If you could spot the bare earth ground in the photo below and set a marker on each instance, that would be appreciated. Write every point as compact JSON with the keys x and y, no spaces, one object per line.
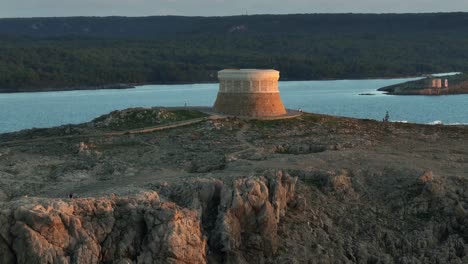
{"x":367,"y":192}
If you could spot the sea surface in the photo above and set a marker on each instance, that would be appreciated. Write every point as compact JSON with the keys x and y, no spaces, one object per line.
{"x":340,"y":97}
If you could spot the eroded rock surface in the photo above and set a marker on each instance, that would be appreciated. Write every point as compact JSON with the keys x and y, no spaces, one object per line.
{"x":110,"y":230}
{"x":238,"y":219}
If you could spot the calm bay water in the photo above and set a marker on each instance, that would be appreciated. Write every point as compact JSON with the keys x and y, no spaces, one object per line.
{"x":46,"y":109}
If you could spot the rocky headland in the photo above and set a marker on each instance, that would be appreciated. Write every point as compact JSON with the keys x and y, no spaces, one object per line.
{"x":457,"y":84}
{"x":180,"y":186}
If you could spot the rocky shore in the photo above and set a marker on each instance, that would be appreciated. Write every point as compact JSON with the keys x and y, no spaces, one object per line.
{"x":458,"y":84}
{"x":309,"y":189}
{"x":66,"y":88}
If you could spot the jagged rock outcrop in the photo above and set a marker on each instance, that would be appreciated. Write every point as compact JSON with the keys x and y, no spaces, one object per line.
{"x":246,"y":228}
{"x":118,"y":230}
{"x":231,"y":222}
{"x":244,"y":225}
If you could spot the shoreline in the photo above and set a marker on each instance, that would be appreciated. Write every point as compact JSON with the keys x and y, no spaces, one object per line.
{"x":458,"y":84}
{"x":135,"y":85}
{"x":207,"y":110}
{"x":65,"y":89}
{"x":424,"y":92}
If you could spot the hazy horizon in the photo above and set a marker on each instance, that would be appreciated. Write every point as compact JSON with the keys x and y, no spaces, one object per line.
{"x":139,"y":8}
{"x":259,"y":14}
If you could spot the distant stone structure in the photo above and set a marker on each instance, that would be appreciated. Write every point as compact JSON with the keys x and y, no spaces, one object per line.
{"x":437,"y":87}
{"x":249,"y":92}
{"x":436,"y":83}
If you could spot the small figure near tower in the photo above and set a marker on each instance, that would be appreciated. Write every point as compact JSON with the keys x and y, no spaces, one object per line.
{"x":386,"y":118}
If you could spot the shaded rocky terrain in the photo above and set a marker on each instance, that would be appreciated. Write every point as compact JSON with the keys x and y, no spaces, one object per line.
{"x":310,"y":189}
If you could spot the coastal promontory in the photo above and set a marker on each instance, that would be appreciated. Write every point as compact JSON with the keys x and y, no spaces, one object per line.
{"x":431,"y":85}
{"x":183,"y":185}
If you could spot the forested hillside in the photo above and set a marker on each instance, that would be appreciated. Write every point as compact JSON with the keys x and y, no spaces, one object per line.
{"x":39,"y":53}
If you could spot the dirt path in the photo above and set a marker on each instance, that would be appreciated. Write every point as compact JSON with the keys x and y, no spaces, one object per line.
{"x":240,"y":136}
{"x":109,"y":134}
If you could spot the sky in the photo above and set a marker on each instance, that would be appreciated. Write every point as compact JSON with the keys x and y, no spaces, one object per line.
{"x":58,"y":8}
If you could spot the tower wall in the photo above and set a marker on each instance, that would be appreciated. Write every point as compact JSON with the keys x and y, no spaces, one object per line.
{"x":249,"y":93}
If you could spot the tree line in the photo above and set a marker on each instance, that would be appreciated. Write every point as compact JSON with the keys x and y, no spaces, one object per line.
{"x":32,"y":63}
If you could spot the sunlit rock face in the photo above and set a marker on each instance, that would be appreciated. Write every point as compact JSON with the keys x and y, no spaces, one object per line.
{"x":200,"y":221}
{"x":249,"y":92}
{"x":100,"y":230}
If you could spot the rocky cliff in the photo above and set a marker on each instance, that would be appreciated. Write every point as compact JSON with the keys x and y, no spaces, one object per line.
{"x":193,"y":222}
{"x":310,"y":189}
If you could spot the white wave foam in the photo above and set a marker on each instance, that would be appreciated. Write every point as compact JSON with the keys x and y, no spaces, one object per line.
{"x":457,"y":124}
{"x":436,"y":122}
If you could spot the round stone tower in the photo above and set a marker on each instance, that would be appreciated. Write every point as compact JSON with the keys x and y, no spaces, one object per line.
{"x":249,"y":93}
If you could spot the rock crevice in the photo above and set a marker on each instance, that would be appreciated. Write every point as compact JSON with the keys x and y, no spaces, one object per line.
{"x":192,"y":222}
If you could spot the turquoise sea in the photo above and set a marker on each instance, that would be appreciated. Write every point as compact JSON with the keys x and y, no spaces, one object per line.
{"x":339,"y":97}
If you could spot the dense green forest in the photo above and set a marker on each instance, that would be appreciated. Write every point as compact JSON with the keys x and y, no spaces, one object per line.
{"x":48,"y":53}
